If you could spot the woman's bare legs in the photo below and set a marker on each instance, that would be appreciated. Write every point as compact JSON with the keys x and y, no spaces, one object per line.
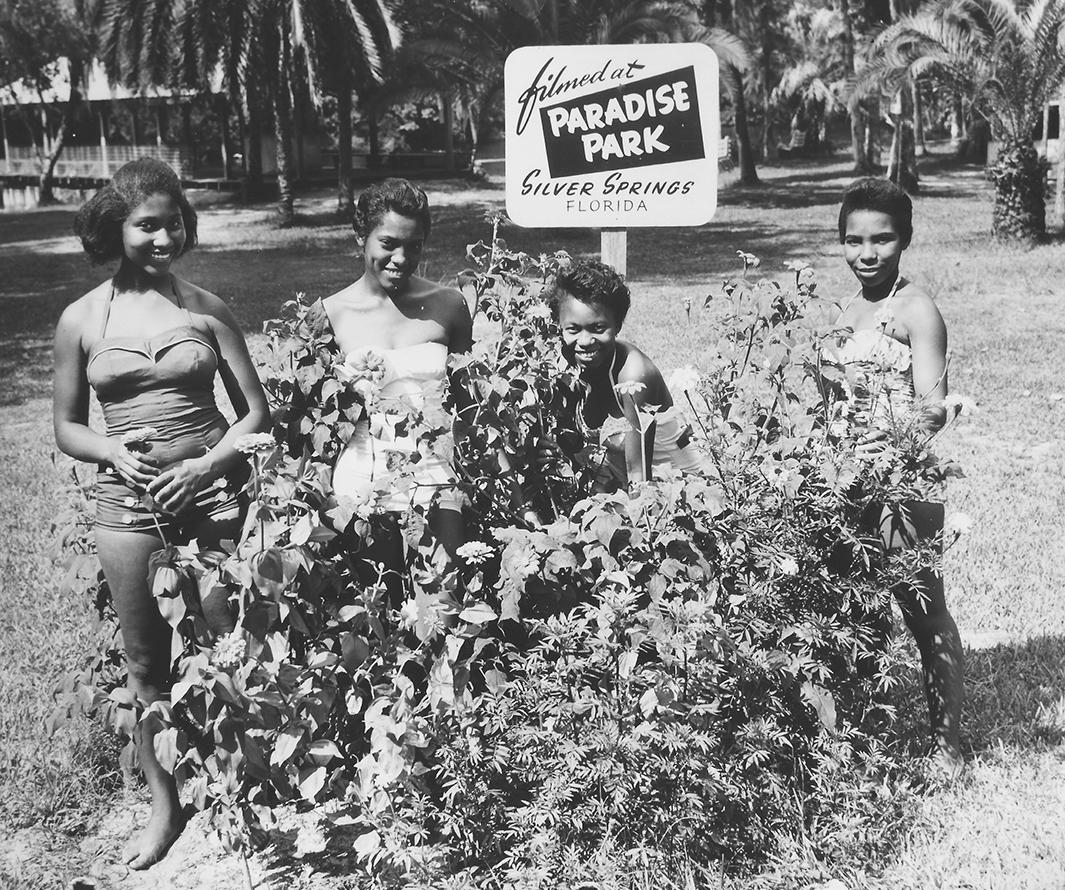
{"x":124,"y":557}
{"x":924,"y":609}
{"x":146,"y":635}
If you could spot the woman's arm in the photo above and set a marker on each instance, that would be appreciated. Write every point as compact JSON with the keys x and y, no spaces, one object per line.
{"x":928,"y":349}
{"x":70,"y":405}
{"x":177,"y":486}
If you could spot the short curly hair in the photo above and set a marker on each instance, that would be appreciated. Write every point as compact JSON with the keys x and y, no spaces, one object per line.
{"x":99,"y":221}
{"x":398,"y":195}
{"x":591,"y":282}
{"x":883,"y":196}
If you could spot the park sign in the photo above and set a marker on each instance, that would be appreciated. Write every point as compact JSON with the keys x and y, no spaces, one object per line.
{"x":617,"y":136}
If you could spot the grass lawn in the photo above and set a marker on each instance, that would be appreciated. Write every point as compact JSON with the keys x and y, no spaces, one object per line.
{"x":1002,"y":826}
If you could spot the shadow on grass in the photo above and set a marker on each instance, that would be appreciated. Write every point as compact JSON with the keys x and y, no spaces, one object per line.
{"x":1015,"y":694}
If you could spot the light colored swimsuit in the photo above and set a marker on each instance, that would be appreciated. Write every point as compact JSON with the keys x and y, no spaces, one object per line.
{"x":413,"y":376}
{"x":165,"y":382}
{"x":882,"y":391}
{"x":672,"y":444}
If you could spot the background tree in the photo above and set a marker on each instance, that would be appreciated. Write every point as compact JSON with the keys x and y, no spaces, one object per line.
{"x":1009,"y":61}
{"x":47,"y":46}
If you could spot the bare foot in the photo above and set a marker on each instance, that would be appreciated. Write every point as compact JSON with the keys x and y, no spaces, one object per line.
{"x":152,"y":844}
{"x":947,"y":762}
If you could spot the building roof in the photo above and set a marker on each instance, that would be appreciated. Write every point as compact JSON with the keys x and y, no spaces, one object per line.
{"x":98,"y":88}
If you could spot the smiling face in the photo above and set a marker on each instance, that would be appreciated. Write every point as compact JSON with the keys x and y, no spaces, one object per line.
{"x":153,"y":235}
{"x":392,"y":251}
{"x":872,"y":247}
{"x":589,"y":332}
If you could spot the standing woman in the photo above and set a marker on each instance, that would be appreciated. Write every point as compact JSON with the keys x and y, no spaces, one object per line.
{"x":411,"y":325}
{"x":898,"y":342}
{"x":149,"y":344}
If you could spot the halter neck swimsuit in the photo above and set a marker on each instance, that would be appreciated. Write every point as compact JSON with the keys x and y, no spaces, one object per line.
{"x":414,"y":375}
{"x":672,"y":445}
{"x":165,"y":382}
{"x":881,"y":385}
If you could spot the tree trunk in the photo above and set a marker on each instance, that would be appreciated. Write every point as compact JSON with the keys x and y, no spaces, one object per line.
{"x":283,"y":142}
{"x":254,"y":160}
{"x":373,"y":137}
{"x":859,"y":157}
{"x":1020,"y":206}
{"x":345,"y":191}
{"x":919,"y":147}
{"x":902,"y":166}
{"x":748,"y":171}
{"x":871,"y":142}
{"x":1059,"y":186}
{"x":449,"y":131}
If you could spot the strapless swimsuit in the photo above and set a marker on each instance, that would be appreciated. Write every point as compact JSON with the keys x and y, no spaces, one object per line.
{"x":412,"y":375}
{"x":165,"y":382}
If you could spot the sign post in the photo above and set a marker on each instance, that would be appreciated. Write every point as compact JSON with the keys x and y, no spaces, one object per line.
{"x":612,"y":137}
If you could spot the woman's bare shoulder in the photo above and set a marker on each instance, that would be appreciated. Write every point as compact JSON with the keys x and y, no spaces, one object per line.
{"x":88,"y":307}
{"x":914,"y":304}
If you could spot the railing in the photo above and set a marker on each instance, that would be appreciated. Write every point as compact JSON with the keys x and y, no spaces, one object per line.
{"x":87,"y":161}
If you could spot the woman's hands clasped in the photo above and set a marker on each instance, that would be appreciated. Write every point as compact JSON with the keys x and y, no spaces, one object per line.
{"x":137,"y":467}
{"x":176,"y":487}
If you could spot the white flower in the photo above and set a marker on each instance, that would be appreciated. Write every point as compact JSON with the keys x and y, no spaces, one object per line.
{"x":474,"y":552}
{"x":629,"y":387}
{"x":749,"y":260}
{"x":957,"y":524}
{"x":138,"y":437}
{"x":253,"y":443}
{"x":367,"y":363}
{"x":408,"y":614}
{"x":684,"y":379}
{"x":788,"y":566}
{"x":959,"y":405}
{"x":838,"y":428}
{"x":538,"y":310}
{"x":229,"y":650}
{"x":310,"y":839}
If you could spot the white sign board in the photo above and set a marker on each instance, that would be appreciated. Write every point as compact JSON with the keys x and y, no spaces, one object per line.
{"x":612,"y":136}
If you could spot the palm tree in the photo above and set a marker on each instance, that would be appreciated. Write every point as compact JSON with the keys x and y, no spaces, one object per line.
{"x":260,"y":45}
{"x":1009,"y":59}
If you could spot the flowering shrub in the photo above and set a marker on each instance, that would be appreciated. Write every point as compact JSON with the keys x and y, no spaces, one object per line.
{"x":667,"y":674}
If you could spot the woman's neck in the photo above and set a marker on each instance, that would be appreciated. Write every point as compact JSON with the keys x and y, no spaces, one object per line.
{"x":879,"y":292}
{"x":133,"y":278}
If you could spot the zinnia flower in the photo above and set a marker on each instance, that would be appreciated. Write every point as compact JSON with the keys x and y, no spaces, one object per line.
{"x":684,"y":379}
{"x":140,"y":436}
{"x":229,"y":650}
{"x":254,"y":443}
{"x":629,"y":387}
{"x":475,"y":553}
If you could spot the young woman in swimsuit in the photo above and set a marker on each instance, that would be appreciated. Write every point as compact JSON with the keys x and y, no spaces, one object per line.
{"x":900,"y":340}
{"x":627,"y":404}
{"x":413,"y":324}
{"x":149,"y":344}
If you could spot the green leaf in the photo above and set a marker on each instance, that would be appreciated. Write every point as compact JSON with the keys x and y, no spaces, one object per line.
{"x":822,"y":702}
{"x":285,"y":745}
